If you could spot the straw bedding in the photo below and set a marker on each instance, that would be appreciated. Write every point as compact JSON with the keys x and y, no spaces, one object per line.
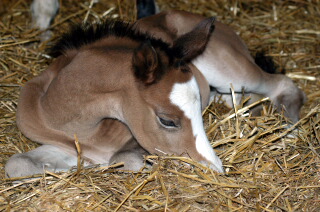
{"x":269,"y":166}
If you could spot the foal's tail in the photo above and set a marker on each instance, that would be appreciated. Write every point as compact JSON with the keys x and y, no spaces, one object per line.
{"x":267,"y":64}
{"x":146,"y":8}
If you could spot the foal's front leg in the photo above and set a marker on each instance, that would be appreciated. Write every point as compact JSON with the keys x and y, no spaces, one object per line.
{"x":131,"y":155}
{"x":36,"y":161}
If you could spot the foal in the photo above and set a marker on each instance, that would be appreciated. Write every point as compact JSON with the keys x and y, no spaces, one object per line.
{"x":123,"y":93}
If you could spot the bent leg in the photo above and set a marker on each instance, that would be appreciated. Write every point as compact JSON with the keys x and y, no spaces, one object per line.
{"x":36,"y":161}
{"x":131,"y":155}
{"x":227,"y":100}
{"x":252,"y":80}
{"x":43,"y":11}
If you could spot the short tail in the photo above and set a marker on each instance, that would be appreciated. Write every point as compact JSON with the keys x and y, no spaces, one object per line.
{"x":267,"y":64}
{"x":146,"y":8}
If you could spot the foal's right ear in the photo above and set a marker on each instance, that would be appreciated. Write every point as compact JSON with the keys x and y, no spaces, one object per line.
{"x":145,"y":62}
{"x":193,"y":43}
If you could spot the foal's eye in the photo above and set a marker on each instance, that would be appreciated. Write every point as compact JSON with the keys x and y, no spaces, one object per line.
{"x":167,"y":123}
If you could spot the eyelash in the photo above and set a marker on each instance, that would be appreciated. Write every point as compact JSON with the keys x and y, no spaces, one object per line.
{"x":167,"y":123}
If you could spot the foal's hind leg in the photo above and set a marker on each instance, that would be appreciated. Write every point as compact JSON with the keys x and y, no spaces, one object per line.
{"x":250,"y":98}
{"x":248,"y":77}
{"x":36,"y":161}
{"x":131,"y":155}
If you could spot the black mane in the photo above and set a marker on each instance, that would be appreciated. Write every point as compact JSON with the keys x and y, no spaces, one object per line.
{"x":84,"y":34}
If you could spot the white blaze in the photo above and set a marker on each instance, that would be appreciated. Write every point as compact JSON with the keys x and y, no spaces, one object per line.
{"x":187,"y":97}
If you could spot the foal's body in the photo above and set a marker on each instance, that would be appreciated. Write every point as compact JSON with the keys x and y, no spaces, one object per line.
{"x":226,"y":60}
{"x":122,"y":94}
{"x":156,"y":111}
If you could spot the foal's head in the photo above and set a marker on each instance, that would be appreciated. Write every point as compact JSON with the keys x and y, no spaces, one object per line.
{"x":166,"y":115}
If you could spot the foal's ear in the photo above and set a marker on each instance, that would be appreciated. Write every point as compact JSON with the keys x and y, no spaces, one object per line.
{"x":193,"y":43}
{"x":145,"y":62}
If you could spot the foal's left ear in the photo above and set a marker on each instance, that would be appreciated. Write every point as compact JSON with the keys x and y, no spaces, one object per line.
{"x":145,"y":62}
{"x":193,"y":43}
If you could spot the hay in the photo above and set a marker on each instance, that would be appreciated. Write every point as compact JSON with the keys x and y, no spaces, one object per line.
{"x":270,"y":166}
